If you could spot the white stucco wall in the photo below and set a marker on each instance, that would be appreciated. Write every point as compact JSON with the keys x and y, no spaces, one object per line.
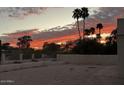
{"x":121,"y":47}
{"x":88,"y":59}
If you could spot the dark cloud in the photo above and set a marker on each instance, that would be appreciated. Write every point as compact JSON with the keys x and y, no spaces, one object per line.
{"x":19,"y":33}
{"x":107,"y":15}
{"x":20,"y":12}
{"x":44,"y":34}
{"x":103,"y":15}
{"x":64,"y":31}
{"x":6,"y":37}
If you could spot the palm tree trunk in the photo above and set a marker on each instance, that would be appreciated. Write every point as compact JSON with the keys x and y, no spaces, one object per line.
{"x":78,"y":29}
{"x":99,"y":34}
{"x":99,"y":31}
{"x":83,"y":27}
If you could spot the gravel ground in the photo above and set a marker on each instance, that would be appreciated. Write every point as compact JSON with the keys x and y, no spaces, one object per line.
{"x":59,"y":74}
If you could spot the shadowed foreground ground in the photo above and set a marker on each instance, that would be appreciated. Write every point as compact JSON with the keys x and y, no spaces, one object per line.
{"x":61,"y":74}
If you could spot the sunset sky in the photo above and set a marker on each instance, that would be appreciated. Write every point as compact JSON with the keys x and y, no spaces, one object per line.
{"x":45,"y":24}
{"x":13,"y":19}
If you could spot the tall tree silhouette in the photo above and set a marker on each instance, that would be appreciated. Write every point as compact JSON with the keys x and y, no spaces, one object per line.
{"x":51,"y":49}
{"x":24,"y":42}
{"x":84,"y":15}
{"x":92,"y":29}
{"x":87,"y":32}
{"x":113,"y":37}
{"x":99,"y":26}
{"x":77,"y":15}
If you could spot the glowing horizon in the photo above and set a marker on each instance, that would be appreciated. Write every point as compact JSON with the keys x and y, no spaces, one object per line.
{"x":52,"y":24}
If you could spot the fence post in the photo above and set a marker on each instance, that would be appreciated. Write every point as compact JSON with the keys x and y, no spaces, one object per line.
{"x":58,"y":57}
{"x":3,"y":60}
{"x":43,"y":56}
{"x":33,"y":57}
{"x":21,"y":57}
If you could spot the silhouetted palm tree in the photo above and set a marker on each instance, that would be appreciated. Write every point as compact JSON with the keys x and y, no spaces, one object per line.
{"x":77,"y":15}
{"x":99,"y":27}
{"x":113,"y":37}
{"x":98,"y":37}
{"x":92,"y":29}
{"x":84,"y":15}
{"x":111,"y":43}
{"x":87,"y":32}
{"x":114,"y":34}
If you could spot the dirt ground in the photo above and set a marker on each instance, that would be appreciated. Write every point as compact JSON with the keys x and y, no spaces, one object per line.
{"x":62,"y":74}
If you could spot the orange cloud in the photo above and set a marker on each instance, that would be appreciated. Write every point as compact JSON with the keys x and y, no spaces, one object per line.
{"x":38,"y":43}
{"x":109,"y":28}
{"x":20,"y":33}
